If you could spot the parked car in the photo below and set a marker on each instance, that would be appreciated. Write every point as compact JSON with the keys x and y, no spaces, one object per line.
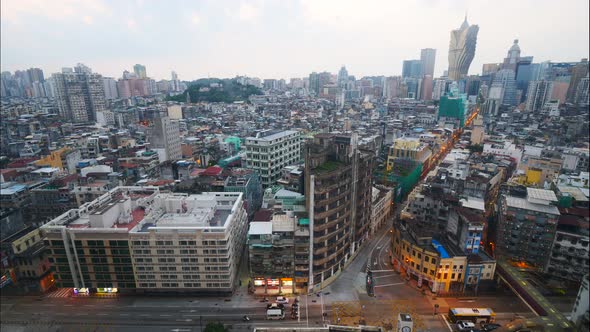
{"x":490,"y":327}
{"x":282,"y":300}
{"x":465,"y":326}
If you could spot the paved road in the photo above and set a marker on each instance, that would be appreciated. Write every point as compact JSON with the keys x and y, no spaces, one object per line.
{"x":163,"y":314}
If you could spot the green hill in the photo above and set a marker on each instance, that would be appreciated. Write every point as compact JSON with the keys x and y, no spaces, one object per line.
{"x":228,"y":92}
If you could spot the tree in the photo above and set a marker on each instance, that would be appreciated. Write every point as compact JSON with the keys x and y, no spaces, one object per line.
{"x":475,"y":148}
{"x":215,"y":327}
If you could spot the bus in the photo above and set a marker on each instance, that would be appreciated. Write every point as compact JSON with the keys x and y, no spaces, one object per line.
{"x":275,"y":314}
{"x":472,"y":315}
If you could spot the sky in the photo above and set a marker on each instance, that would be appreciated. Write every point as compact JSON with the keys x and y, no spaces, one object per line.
{"x":278,"y":38}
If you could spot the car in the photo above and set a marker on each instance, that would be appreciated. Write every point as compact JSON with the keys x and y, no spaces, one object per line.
{"x":490,"y":327}
{"x":465,"y":326}
{"x":275,"y":306}
{"x":282,"y":300}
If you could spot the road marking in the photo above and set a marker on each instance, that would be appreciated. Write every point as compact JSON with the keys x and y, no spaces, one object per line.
{"x":377,"y":271}
{"x":446,"y":322}
{"x":123,"y":314}
{"x":68,"y":305}
{"x":184,"y":320}
{"x":387,"y":275}
{"x":165,"y":315}
{"x":397,"y":283}
{"x":466,"y":301}
{"x":101,"y":314}
{"x":143,"y":315}
{"x":82,"y":314}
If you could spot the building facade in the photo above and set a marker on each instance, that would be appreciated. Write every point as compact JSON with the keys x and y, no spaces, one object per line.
{"x":136,"y":239}
{"x":527,"y":226}
{"x":79,"y":95}
{"x":270,"y":151}
{"x":338,"y":178}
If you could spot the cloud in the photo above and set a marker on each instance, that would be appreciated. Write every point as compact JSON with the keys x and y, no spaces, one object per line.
{"x":17,"y":11}
{"x":88,"y":19}
{"x":195,"y":18}
{"x":131,"y":24}
{"x":248,"y":12}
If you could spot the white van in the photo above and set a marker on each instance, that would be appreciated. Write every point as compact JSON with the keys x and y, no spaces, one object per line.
{"x":275,"y":314}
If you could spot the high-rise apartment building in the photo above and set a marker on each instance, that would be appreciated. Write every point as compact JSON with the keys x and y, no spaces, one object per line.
{"x":140,"y":71}
{"x":137,"y":238}
{"x":79,"y":94}
{"x":164,"y":137}
{"x":462,"y":50}
{"x":269,"y":151}
{"x":110,"y":88}
{"x":427,"y":59}
{"x":338,"y":192}
{"x":526,"y":226}
{"x":35,"y":75}
{"x":539,"y":92}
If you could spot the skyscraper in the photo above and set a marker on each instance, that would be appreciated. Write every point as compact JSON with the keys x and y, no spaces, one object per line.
{"x":139,"y":70}
{"x":462,"y":50}
{"x":426,"y":93}
{"x":342,"y":77}
{"x":79,"y":94}
{"x":579,"y":71}
{"x":427,"y":58}
{"x":539,"y":92}
{"x":506,"y":78}
{"x":412,"y":68}
{"x":511,"y":60}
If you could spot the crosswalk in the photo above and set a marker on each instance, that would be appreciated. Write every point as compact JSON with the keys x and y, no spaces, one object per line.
{"x":61,"y":292}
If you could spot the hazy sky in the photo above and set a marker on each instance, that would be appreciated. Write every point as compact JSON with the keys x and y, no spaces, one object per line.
{"x":278,"y":38}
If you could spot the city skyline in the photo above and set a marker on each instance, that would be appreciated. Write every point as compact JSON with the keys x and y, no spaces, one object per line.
{"x":267,"y":43}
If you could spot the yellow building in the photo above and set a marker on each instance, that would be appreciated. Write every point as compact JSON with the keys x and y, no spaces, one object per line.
{"x":533,"y":176}
{"x":440,"y":269}
{"x":408,"y":148}
{"x":54,"y":159}
{"x":32,"y":266}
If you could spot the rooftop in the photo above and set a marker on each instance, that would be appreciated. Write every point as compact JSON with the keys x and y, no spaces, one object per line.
{"x":522,"y":203}
{"x":260,"y":228}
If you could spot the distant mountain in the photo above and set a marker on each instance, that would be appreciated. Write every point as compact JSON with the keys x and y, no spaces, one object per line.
{"x":217,"y":90}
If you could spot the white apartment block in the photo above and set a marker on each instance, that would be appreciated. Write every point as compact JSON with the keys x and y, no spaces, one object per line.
{"x":190,"y":242}
{"x":270,"y":151}
{"x":136,"y":239}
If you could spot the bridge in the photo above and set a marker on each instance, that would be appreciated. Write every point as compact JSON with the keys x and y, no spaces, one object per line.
{"x":548,"y":317}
